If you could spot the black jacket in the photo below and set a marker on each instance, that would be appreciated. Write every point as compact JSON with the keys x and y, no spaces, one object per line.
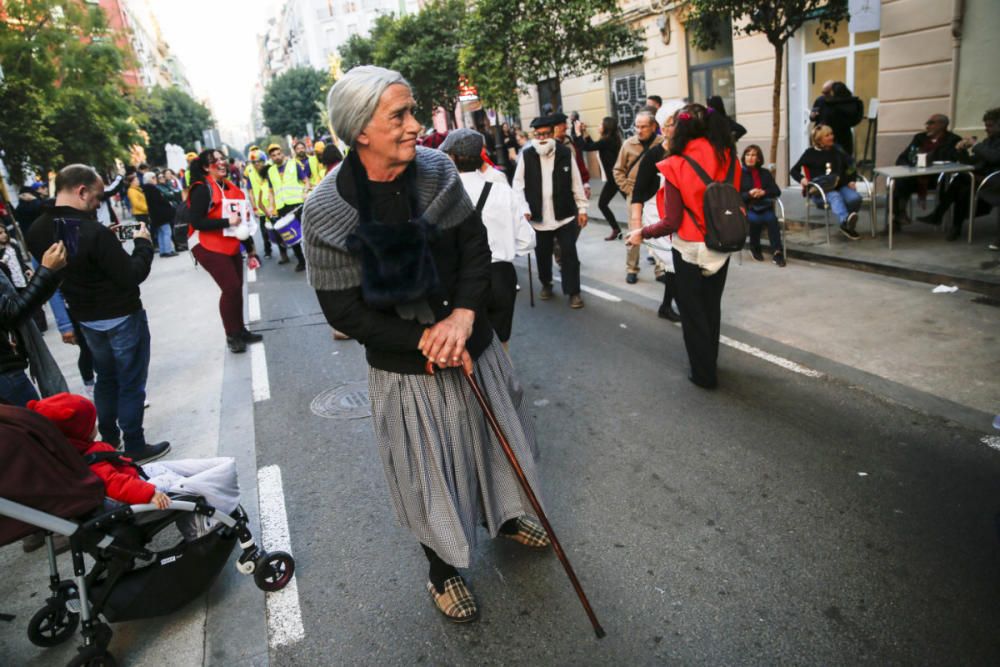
{"x":161,"y":211}
{"x":29,"y":207}
{"x":462,"y":258}
{"x":814,"y":161}
{"x":101,"y":280}
{"x":985,"y":155}
{"x":841,"y":114}
{"x":647,"y":176}
{"x":607,"y":150}
{"x":945,"y":149}
{"x":767,"y":184}
{"x":14,"y":309}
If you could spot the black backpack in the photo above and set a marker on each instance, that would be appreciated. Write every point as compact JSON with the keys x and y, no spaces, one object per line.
{"x":723,"y":209}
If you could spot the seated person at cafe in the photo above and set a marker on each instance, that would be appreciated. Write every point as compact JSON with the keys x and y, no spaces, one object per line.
{"x":939,"y":145}
{"x":985,"y":157}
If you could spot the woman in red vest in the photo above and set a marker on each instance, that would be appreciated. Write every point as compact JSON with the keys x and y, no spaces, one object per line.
{"x":214,"y":204}
{"x":703,"y":136}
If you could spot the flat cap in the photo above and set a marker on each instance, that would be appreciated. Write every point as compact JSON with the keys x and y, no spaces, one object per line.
{"x":543,"y":121}
{"x":463,"y":142}
{"x":558,"y":118}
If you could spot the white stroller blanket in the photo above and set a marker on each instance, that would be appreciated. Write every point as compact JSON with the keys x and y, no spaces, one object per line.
{"x":214,"y":479}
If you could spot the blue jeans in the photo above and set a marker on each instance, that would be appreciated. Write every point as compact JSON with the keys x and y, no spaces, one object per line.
{"x":16,"y":389}
{"x":165,"y":239}
{"x":121,"y":359}
{"x":757,"y":220}
{"x":843,"y":201}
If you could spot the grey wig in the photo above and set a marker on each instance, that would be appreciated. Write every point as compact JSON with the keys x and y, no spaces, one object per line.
{"x":353,"y":99}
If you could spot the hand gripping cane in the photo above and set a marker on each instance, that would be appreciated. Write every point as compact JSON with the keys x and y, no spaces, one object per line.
{"x":526,"y":487}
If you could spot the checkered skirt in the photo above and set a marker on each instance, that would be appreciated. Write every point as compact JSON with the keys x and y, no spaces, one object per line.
{"x":445,"y":469}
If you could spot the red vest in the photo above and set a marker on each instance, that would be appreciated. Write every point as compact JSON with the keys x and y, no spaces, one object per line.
{"x":680,"y":174}
{"x":214,"y":239}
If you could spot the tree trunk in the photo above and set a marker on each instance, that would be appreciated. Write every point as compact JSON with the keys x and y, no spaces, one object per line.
{"x":779,"y":53}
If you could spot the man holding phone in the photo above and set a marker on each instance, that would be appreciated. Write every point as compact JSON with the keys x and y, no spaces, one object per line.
{"x":101,"y":287}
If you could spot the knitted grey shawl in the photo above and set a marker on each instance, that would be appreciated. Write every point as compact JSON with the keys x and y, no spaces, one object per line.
{"x":327,"y":219}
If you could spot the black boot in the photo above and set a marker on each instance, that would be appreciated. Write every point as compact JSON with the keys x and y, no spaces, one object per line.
{"x":669,"y":293}
{"x":236,"y":344}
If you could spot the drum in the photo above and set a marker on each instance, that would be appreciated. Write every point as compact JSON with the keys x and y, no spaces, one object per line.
{"x":289,"y":229}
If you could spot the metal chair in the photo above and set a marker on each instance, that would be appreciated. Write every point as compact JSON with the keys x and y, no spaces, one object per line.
{"x":868,"y":196}
{"x":825,"y":207}
{"x":991,"y":197}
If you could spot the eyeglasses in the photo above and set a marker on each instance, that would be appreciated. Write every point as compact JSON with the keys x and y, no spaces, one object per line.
{"x":542,"y":134}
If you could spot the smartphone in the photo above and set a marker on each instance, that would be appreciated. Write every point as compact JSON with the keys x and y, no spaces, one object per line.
{"x":126,"y":231}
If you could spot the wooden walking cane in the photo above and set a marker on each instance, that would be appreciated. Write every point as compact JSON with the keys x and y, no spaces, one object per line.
{"x":526,"y":487}
{"x":531,"y":284}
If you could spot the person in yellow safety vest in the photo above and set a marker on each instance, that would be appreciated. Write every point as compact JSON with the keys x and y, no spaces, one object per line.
{"x":309,"y":164}
{"x":289,"y":184}
{"x":260,"y":193}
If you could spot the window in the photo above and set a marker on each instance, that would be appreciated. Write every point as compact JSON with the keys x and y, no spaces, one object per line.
{"x":711,"y":72}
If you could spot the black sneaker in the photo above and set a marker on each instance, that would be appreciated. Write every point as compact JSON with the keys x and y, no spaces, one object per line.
{"x":284,"y":260}
{"x":666,"y":312}
{"x":300,"y":267}
{"x":757,"y":254}
{"x":236,"y":344}
{"x":778,"y":258}
{"x":849,"y":233}
{"x":631,"y":278}
{"x":546,"y":293}
{"x":148,"y":452}
{"x":250,"y":337}
{"x":852,"y":221}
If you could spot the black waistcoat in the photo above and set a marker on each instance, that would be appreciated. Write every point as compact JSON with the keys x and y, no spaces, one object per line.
{"x":562,"y":183}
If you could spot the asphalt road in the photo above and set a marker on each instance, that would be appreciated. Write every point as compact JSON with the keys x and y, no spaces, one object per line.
{"x":781,"y":519}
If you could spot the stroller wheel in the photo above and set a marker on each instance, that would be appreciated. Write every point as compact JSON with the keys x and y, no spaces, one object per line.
{"x":274,"y":570}
{"x":93,"y":656}
{"x":52,"y":625}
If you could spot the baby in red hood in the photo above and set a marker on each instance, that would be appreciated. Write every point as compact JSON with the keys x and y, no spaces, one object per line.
{"x":76,"y":417}
{"x":214,"y":479}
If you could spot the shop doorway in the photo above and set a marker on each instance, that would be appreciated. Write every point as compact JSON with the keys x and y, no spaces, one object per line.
{"x":851,"y":58}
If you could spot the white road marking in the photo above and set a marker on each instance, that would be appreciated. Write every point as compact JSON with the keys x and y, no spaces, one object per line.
{"x":767,"y":356}
{"x":284,"y":615}
{"x":991,"y":441}
{"x":596,"y":292}
{"x":251,"y":275}
{"x":253,"y":306}
{"x":258,"y":368}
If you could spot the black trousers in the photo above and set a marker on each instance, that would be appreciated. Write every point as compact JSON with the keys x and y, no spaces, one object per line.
{"x":569,"y":264}
{"x":699,"y":298}
{"x":503,"y":293}
{"x":608,"y":193}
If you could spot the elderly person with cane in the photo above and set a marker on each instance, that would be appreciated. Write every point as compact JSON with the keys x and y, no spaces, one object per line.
{"x":400,"y":261}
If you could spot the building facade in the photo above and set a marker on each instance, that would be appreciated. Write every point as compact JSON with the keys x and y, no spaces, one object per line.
{"x":905,"y":59}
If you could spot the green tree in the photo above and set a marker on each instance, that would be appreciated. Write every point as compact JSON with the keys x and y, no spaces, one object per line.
{"x":777,"y":20}
{"x":291,"y":98}
{"x":510,"y":43}
{"x":172,"y":116}
{"x":357,"y":50}
{"x":63,"y":96}
{"x":424,"y":48}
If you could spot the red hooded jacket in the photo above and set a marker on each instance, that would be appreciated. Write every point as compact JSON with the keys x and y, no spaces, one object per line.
{"x":75,"y":416}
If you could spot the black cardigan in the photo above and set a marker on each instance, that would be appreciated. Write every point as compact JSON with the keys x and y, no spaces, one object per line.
{"x":462,"y":258}
{"x":814,"y":162}
{"x":767,"y":184}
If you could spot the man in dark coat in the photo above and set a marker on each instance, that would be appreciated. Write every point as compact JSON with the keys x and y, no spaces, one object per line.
{"x":939,"y":145}
{"x":161,"y":217}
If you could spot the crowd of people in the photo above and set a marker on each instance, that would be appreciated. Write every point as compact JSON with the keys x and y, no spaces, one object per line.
{"x":410,"y":240}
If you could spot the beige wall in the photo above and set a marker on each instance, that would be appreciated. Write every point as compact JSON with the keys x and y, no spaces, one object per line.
{"x":979,"y":56}
{"x":753,"y":64}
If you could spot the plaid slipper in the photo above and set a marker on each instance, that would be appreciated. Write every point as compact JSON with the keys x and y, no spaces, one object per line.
{"x":456,"y":603}
{"x":530,"y":533}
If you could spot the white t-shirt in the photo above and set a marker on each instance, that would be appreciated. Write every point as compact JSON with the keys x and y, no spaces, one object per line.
{"x":508,"y":231}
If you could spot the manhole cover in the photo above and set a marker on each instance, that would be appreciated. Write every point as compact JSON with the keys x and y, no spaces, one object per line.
{"x":347,"y":401}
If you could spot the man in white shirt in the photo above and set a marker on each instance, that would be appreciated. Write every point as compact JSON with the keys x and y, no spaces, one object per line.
{"x":502,"y":214}
{"x":549,"y":181}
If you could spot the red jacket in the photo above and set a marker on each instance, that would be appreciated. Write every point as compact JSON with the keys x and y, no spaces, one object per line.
{"x":121,"y":481}
{"x":679,"y":173}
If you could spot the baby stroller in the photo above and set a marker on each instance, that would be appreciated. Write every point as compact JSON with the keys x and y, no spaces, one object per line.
{"x":46,"y":485}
